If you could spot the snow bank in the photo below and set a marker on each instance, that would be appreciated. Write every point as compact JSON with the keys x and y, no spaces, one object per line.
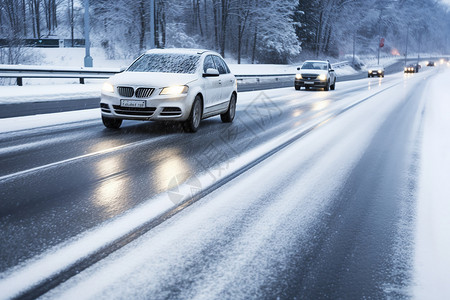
{"x":432,"y":259}
{"x":37,"y":93}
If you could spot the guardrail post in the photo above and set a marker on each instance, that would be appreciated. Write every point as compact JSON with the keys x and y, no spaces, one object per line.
{"x":19,"y":81}
{"x":81,"y":80}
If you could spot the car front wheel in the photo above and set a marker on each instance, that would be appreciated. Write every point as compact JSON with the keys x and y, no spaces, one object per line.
{"x":193,"y":122}
{"x":327,"y":87}
{"x":111,"y":122}
{"x":228,"y":116}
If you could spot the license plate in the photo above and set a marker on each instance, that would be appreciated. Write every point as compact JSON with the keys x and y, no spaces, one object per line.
{"x":309,"y":82}
{"x":132,"y":103}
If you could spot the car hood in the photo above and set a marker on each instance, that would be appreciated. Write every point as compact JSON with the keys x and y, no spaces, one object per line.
{"x":313,"y":71}
{"x":151,"y":79}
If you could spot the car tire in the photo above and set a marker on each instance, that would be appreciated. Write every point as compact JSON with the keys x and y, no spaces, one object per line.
{"x":193,"y":122}
{"x":228,"y":116}
{"x":327,"y":87}
{"x":111,"y":123}
{"x":297,"y":87}
{"x":369,"y":76}
{"x":333,"y":86}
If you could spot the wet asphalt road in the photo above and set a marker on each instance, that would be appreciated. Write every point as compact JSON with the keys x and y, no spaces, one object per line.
{"x":57,"y":182}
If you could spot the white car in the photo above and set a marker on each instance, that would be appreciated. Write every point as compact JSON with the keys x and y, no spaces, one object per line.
{"x":183,"y":85}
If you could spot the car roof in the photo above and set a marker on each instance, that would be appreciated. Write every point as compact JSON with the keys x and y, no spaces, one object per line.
{"x":182,"y":51}
{"x":318,"y":61}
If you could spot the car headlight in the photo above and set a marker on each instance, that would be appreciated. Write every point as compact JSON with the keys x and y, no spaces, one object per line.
{"x":379,"y":71}
{"x":175,"y":90}
{"x":108,"y":88}
{"x":298,"y":76}
{"x":322,"y":77}
{"x":370,"y":71}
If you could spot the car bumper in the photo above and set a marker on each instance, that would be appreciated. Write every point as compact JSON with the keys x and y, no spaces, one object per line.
{"x":376,"y":73}
{"x":159,"y":108}
{"x":310,"y":83}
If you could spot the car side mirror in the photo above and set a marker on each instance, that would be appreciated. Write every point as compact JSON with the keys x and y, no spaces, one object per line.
{"x":331,"y":70}
{"x":123,"y":68}
{"x":210,"y":72}
{"x":298,"y":69}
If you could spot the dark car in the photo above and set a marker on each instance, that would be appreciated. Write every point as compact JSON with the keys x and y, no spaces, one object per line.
{"x":412,"y":68}
{"x":431,"y":63}
{"x":375,"y":71}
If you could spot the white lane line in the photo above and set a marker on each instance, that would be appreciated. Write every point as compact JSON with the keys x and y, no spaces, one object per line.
{"x":77,"y":158}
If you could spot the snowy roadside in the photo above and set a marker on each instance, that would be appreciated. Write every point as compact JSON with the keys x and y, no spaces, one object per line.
{"x":432,"y":260}
{"x":52,"y":92}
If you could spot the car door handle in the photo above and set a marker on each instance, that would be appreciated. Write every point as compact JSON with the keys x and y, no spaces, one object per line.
{"x":220,"y":81}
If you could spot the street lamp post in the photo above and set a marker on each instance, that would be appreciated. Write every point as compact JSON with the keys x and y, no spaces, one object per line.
{"x":406,"y":50}
{"x":88,"y":62}
{"x":152,"y":24}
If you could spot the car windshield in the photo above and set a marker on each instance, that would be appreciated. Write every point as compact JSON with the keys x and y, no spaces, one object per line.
{"x":315,"y":65}
{"x":166,"y":63}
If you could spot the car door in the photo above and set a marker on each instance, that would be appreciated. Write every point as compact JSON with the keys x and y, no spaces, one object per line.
{"x":212,"y":85}
{"x":227,"y":81}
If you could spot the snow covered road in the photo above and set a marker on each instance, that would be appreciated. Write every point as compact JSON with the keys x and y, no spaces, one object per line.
{"x":331,"y":214}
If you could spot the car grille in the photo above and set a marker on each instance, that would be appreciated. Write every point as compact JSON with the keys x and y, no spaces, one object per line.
{"x":144,"y":92}
{"x":125,"y":91}
{"x":309,"y":76}
{"x":134,"y":111}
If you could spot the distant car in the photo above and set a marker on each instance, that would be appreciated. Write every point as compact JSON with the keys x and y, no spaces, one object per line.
{"x":375,"y":71}
{"x":431,"y":64}
{"x":182,"y":85}
{"x":414,"y":68}
{"x":317,"y":74}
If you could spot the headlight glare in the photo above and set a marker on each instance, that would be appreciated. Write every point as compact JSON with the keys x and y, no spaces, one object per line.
{"x":175,"y":90}
{"x":322,"y":77}
{"x":108,"y":88}
{"x":298,"y":76}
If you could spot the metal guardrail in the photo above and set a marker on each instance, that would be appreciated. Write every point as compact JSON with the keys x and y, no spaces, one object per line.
{"x":21,"y":71}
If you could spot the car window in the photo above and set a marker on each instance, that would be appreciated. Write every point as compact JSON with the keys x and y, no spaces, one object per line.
{"x":208,"y":63}
{"x":315,"y":65}
{"x":166,"y":63}
{"x":221,"y":65}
